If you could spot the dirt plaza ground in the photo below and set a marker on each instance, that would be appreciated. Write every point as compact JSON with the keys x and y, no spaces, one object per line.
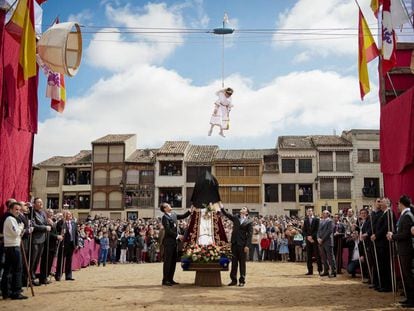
{"x":269,"y":286}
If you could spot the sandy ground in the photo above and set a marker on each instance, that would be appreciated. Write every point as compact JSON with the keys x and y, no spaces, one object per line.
{"x":278,"y":286}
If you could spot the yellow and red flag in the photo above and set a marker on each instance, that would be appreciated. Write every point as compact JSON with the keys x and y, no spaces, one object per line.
{"x":21,"y":26}
{"x":59,"y":104}
{"x":367,"y":51}
{"x":375,"y":5}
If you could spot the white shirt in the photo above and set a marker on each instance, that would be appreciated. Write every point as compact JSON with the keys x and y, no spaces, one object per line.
{"x":12,"y":232}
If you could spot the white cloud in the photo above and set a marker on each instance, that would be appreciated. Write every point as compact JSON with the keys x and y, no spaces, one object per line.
{"x":323,"y":27}
{"x":138,"y":47}
{"x":83,"y":18}
{"x":301,"y":57}
{"x":158,"y":105}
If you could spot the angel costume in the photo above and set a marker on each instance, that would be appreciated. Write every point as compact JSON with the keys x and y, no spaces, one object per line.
{"x":221,"y":112}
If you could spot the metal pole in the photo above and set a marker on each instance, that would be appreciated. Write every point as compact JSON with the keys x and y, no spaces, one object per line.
{"x":29,"y":277}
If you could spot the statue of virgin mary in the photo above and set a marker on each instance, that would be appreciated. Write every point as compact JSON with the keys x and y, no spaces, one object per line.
{"x":206,"y":226}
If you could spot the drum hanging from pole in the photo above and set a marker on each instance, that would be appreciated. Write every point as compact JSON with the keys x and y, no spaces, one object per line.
{"x":60,"y":48}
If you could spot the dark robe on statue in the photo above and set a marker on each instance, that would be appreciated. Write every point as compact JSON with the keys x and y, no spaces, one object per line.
{"x":206,"y":194}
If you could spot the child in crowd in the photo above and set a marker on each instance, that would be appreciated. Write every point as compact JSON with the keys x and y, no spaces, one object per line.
{"x":103,"y":252}
{"x":283,"y":248}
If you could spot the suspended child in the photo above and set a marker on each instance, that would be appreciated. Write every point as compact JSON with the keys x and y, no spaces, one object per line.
{"x":221,"y":112}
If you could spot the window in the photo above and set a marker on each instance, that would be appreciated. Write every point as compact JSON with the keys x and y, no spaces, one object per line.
{"x":193,"y":172}
{"x":237,"y":171}
{"x":237,"y":195}
{"x":288,"y":193}
{"x":375,"y":155}
{"x":305,"y":193}
{"x":115,"y":200}
{"x":252,"y":194}
{"x":343,"y":186}
{"x":52,"y":179}
{"x":99,"y":200}
{"x":222,"y":171}
{"x":84,"y":201}
{"x":327,"y":188}
{"x":305,"y":165}
{"x":271,"y":193}
{"x":170,"y":168}
{"x":69,"y":201}
{"x":100,"y":154}
{"x":288,"y":166}
{"x":146,"y":176}
{"x":132,"y":177}
{"x":342,"y":161}
{"x":52,"y":201}
{"x":172,"y":196}
{"x":363,"y":155}
{"x":252,"y":170}
{"x":84,"y":177}
{"x":70,"y":176}
{"x":116,"y":154}
{"x":115,"y":177}
{"x":371,"y":187}
{"x":99,"y":178}
{"x":141,"y":196}
{"x":325,"y":161}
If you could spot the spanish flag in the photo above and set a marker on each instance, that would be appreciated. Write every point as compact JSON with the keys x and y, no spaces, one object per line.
{"x":21,"y":26}
{"x":375,"y":5}
{"x":367,"y":51}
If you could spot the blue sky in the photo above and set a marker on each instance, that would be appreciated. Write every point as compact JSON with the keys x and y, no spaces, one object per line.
{"x":162,"y":86}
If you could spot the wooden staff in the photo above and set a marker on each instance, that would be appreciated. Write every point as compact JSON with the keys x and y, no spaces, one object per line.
{"x":390,"y":245}
{"x":375,"y":253}
{"x":29,"y":277}
{"x":30,"y":239}
{"x":399,"y":262}
{"x":366,"y":258}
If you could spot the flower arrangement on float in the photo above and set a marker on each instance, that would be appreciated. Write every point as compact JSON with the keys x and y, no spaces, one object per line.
{"x":204,"y":254}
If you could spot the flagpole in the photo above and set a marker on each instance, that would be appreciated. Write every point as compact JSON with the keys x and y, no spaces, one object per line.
{"x":392,"y":84}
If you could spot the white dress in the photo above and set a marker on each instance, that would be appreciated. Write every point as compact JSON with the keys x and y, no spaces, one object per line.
{"x":221,"y":112}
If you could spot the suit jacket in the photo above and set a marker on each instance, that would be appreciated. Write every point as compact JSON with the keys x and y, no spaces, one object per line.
{"x":68,"y":238}
{"x":310,"y":230}
{"x":351,"y":244}
{"x":403,"y":235}
{"x":381,"y":229}
{"x":325,"y":231}
{"x":39,"y":223}
{"x":170,"y":226}
{"x":242,"y":232}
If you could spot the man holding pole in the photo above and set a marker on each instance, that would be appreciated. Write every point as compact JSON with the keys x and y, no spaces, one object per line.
{"x":405,"y":248}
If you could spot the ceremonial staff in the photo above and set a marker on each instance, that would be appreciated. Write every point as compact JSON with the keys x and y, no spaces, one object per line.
{"x":399,"y":264}
{"x":391,"y":252}
{"x":29,"y":277}
{"x":375,"y":252}
{"x":30,"y":244}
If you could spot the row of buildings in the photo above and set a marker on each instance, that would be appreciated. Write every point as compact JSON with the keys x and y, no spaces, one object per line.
{"x":119,"y":181}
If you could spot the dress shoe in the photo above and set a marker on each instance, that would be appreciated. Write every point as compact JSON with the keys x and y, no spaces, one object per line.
{"x":384,"y":290}
{"x":333,"y":275}
{"x":167,"y":283}
{"x":324,"y":274}
{"x":309,"y":273}
{"x":408,"y":305}
{"x":241,"y":284}
{"x":174,"y":283}
{"x":18,"y":297}
{"x":45,"y":282}
{"x":403,"y":302}
{"x":34,"y":283}
{"x":70,"y":279}
{"x":232,"y":284}
{"x":57,"y":278}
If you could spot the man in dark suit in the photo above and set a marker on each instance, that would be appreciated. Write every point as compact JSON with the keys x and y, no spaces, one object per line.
{"x":339,"y":235}
{"x":405,"y":248}
{"x":310,"y":231}
{"x":40,"y":228}
{"x":325,"y":240}
{"x":241,"y":237}
{"x":69,"y":229}
{"x":169,"y":222}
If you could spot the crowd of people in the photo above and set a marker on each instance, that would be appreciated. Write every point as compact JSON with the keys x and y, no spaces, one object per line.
{"x":34,"y":237}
